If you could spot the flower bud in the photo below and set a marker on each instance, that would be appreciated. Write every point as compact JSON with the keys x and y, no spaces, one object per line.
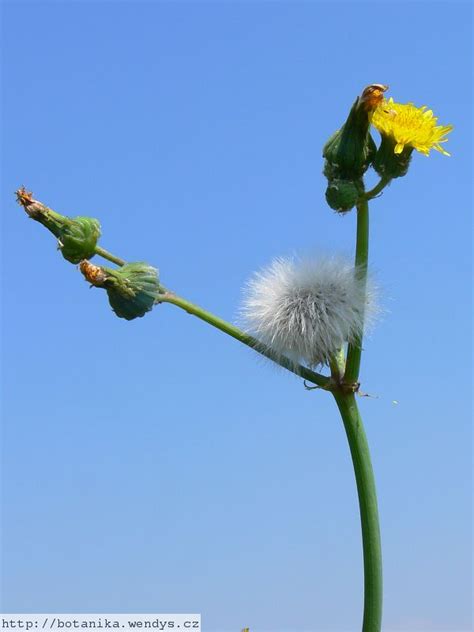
{"x":351,"y":149}
{"x":342,"y":195}
{"x":78,"y":238}
{"x":132,"y":289}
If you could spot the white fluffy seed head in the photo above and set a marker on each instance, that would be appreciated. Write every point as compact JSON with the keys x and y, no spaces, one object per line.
{"x":307,"y":309}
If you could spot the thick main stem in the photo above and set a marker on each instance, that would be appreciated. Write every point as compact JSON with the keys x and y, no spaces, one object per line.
{"x":354,"y":350}
{"x":369,"y":518}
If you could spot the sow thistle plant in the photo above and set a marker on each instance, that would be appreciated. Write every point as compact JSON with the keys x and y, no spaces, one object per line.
{"x":307,"y":315}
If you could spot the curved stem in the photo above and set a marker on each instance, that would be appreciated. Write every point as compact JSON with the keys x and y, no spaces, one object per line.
{"x":238,"y":334}
{"x":361,"y":260}
{"x":378,"y":188}
{"x":369,"y":518}
{"x":169,"y":297}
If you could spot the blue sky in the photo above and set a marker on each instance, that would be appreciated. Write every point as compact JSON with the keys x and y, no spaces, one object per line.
{"x":156,"y":465}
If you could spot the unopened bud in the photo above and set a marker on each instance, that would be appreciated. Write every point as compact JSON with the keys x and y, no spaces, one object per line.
{"x":351,"y":149}
{"x":342,"y":195}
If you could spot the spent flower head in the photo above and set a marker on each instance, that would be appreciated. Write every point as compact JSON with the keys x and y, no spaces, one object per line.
{"x":132,"y":289}
{"x":307,"y":309}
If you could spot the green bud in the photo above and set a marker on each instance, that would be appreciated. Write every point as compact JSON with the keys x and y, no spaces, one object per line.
{"x":387,"y":163}
{"x":350,"y":151}
{"x":78,"y":238}
{"x":132,"y":289}
{"x":342,"y":195}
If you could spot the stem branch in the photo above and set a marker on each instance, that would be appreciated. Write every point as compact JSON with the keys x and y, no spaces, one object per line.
{"x":238,"y":334}
{"x":378,"y":188}
{"x":105,"y":254}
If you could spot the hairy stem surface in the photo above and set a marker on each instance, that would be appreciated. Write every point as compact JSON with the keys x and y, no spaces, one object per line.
{"x":369,"y":518}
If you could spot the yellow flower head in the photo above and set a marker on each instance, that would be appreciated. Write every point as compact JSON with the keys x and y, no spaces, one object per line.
{"x":410,"y":126}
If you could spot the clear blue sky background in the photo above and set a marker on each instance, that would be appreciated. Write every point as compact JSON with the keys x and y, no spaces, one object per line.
{"x":156,"y":465}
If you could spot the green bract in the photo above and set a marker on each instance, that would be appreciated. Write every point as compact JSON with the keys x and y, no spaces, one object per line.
{"x":342,"y":195}
{"x":78,"y":238}
{"x":387,"y":163}
{"x":348,"y":154}
{"x":351,"y":149}
{"x":132,"y":289}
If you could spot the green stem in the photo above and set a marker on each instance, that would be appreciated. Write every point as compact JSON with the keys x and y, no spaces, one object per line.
{"x":102,"y":252}
{"x":169,"y":297}
{"x":378,"y":188}
{"x":354,"y":350}
{"x":337,"y":364}
{"x":238,"y":334}
{"x":369,"y":518}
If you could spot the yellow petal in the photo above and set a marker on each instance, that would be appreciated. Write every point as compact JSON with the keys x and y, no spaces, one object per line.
{"x":441,"y":150}
{"x":410,"y":126}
